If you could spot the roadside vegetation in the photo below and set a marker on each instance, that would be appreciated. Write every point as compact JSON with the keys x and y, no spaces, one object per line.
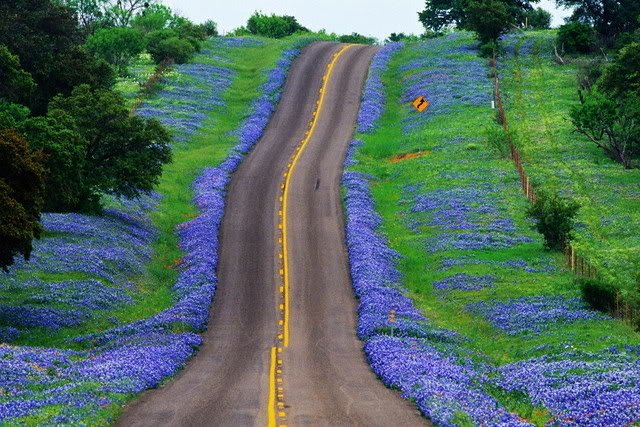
{"x":123,"y":275}
{"x":502,"y":334}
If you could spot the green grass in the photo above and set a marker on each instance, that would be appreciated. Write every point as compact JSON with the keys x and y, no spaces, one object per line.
{"x":539,"y":94}
{"x":468,"y":163}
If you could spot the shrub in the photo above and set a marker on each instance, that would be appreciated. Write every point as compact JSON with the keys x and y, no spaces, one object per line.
{"x":21,"y":191}
{"x":600,"y":295}
{"x":498,"y":139}
{"x":486,"y":50}
{"x":176,"y":49}
{"x":356,"y":38}
{"x":555,"y":219}
{"x":576,"y":37}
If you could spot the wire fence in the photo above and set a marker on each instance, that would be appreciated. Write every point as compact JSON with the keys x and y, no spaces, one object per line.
{"x":577,"y":263}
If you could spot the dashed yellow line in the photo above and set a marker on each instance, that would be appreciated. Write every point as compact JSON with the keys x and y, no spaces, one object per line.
{"x":276,"y":412}
{"x":289,"y":174}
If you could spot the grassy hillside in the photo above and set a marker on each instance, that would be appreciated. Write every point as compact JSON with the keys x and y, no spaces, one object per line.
{"x":108,"y":306}
{"x":539,"y":94}
{"x":505,"y":329}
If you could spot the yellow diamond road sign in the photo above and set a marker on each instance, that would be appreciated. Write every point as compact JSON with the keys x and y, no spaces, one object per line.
{"x":420,"y":103}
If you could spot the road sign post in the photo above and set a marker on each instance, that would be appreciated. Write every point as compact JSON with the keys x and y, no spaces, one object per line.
{"x":392,"y":319}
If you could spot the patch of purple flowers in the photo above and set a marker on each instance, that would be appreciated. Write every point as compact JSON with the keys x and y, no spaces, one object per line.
{"x":581,"y":389}
{"x":373,"y":97}
{"x":465,"y":282}
{"x":448,"y":72}
{"x":533,"y":315}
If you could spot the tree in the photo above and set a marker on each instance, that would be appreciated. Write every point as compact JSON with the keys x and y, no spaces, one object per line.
{"x":273,"y":26}
{"x":609,"y":17}
{"x":12,"y":115}
{"x":63,"y":158}
{"x":48,"y":41}
{"x":210,"y":28}
{"x":90,"y":13}
{"x":21,"y":191}
{"x":441,"y":14}
{"x":555,"y":219}
{"x":16,"y":85}
{"x":489,"y":19}
{"x":611,"y":124}
{"x":156,"y":17}
{"x":538,"y":19}
{"x":623,"y":74}
{"x":122,"y":12}
{"x":576,"y":37}
{"x":122,"y":154}
{"x":116,"y":45}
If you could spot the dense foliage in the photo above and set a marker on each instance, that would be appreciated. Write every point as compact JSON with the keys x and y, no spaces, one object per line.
{"x":469,"y":14}
{"x":21,"y":194}
{"x":538,"y":19}
{"x":555,"y":219}
{"x":116,"y":45}
{"x":576,"y":37}
{"x":356,"y":38}
{"x":273,"y":26}
{"x":48,"y":42}
{"x":610,"y":18}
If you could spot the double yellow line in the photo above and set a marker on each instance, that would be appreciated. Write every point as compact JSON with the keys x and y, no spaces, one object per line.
{"x":275,"y":366}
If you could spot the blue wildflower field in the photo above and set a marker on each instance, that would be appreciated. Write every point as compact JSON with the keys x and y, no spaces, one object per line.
{"x":490,"y":329}
{"x":119,"y":299}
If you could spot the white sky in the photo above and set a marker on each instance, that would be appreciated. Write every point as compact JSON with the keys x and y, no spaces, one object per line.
{"x":377,"y":18}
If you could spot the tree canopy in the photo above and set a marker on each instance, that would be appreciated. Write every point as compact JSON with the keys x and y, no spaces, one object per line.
{"x":21,"y":193}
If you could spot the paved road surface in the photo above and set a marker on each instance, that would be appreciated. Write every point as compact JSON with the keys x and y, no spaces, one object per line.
{"x":326,"y":380}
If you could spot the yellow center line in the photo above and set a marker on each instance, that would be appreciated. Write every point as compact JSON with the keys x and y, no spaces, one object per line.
{"x":276,"y":406}
{"x":301,"y":147}
{"x":271,"y":409}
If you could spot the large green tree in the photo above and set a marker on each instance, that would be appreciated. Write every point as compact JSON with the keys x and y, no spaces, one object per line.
{"x":120,"y":153}
{"x":47,"y":39}
{"x":489,"y":19}
{"x":273,"y":26}
{"x":21,"y":192}
{"x":16,"y":85}
{"x":116,"y":45}
{"x":610,"y":18}
{"x":441,"y":14}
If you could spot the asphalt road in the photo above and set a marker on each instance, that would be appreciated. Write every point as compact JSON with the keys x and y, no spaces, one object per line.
{"x":326,"y":379}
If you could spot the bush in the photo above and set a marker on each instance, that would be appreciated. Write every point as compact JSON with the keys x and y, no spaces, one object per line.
{"x":555,"y":219}
{"x":576,"y":37}
{"x":600,"y":295}
{"x":273,"y":26}
{"x":179,"y":50}
{"x":486,"y":50}
{"x":356,"y":38}
{"x":498,"y":139}
{"x":21,"y":191}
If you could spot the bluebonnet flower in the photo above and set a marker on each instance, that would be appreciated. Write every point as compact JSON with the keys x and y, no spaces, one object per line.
{"x":534,"y":314}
